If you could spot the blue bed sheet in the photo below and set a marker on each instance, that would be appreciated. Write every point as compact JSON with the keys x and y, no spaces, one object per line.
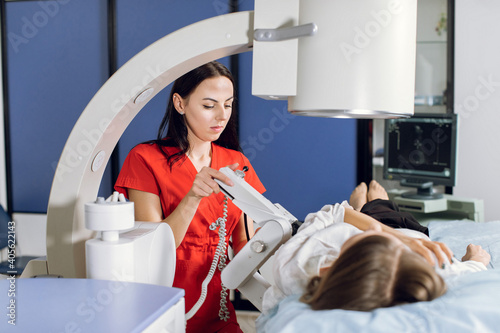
{"x":471,"y":304}
{"x":458,"y":234}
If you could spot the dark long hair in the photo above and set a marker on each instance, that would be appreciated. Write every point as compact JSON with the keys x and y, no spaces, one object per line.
{"x":173,"y":131}
{"x":374,"y":273}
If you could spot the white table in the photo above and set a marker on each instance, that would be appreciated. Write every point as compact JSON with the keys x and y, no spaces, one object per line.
{"x":86,"y":305}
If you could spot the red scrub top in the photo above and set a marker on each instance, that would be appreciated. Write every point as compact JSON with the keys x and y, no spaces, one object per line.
{"x":146,"y":169}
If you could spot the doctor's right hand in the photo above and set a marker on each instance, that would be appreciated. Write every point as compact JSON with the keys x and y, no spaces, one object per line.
{"x":204,"y":183}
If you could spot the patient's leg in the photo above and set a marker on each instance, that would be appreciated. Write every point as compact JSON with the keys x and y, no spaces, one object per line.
{"x":383,"y":210}
{"x":358,"y":197}
{"x":376,"y":191}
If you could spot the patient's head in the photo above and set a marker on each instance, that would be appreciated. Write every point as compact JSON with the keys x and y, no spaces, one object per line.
{"x":373,"y":272}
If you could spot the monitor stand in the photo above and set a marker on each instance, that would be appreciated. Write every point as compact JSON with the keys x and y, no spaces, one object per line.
{"x":425,"y":191}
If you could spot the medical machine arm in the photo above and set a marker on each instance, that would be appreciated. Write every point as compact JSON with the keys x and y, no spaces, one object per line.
{"x":333,"y":68}
{"x":90,"y":144}
{"x":241,"y":272}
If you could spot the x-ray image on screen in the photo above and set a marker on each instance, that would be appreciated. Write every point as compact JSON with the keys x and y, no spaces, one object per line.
{"x":421,"y":151}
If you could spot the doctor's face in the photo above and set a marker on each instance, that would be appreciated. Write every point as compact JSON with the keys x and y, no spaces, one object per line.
{"x":207,"y":110}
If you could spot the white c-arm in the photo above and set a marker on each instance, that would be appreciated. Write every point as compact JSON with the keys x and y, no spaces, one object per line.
{"x":276,"y":228}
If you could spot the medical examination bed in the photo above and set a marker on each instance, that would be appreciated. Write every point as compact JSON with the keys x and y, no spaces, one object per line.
{"x":471,"y":304}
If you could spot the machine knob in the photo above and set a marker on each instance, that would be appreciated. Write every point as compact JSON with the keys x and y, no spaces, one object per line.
{"x":258,"y":246}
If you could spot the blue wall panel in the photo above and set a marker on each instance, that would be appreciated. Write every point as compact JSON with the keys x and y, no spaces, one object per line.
{"x":303,"y":162}
{"x":139,"y":24}
{"x":56,"y":67}
{"x":57,"y":60}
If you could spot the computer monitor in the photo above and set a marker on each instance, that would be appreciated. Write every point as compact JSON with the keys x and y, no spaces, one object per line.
{"x":421,"y":152}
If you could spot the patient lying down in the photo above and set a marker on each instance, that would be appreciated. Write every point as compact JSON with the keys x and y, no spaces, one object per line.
{"x":342,"y":258}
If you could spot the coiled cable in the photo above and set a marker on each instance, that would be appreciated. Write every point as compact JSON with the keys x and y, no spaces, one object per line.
{"x":220,"y":253}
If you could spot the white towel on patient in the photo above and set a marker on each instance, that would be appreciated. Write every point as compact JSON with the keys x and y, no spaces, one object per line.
{"x":317,"y":244}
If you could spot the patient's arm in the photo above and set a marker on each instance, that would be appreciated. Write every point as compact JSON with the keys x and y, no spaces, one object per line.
{"x":421,"y":246}
{"x":477,"y":253}
{"x":361,"y":221}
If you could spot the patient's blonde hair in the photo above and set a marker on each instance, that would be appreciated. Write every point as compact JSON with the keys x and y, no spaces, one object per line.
{"x":373,"y":273}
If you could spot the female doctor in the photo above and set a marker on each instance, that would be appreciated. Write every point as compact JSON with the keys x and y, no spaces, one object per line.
{"x":171,"y":180}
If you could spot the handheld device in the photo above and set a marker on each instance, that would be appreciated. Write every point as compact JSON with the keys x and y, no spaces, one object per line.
{"x":249,"y":200}
{"x":277,"y":226}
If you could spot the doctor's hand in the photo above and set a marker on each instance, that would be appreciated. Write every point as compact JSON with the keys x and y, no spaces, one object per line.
{"x":204,"y":183}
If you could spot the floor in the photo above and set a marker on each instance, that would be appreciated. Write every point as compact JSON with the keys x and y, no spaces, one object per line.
{"x":246,"y":319}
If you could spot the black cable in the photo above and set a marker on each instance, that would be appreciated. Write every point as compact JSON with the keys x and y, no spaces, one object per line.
{"x":245,"y":169}
{"x":246,"y":226}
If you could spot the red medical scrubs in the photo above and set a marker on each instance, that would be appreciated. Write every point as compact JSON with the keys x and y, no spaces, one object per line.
{"x":146,"y":169}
